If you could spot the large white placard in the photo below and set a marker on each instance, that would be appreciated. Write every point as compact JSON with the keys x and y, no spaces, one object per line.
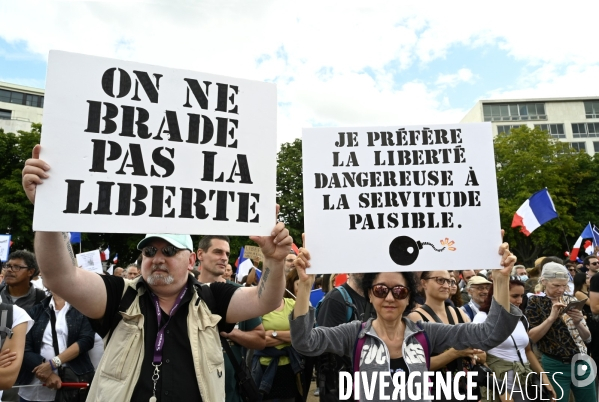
{"x":137,"y":148}
{"x":401,"y":198}
{"x":90,"y":261}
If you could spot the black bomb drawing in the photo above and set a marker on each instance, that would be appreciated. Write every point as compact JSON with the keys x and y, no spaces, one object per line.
{"x":404,"y":250}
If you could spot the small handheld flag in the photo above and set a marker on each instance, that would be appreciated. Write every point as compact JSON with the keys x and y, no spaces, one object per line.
{"x":587,"y":233}
{"x":535,"y":211}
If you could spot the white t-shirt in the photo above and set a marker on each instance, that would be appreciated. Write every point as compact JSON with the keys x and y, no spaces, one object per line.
{"x":41,"y":393}
{"x":19,"y":316}
{"x":506,"y":350}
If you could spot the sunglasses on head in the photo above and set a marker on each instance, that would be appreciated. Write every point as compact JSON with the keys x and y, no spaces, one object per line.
{"x":167,"y":251}
{"x":398,"y":292}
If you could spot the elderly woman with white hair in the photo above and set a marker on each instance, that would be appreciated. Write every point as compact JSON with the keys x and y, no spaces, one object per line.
{"x":561,"y":336}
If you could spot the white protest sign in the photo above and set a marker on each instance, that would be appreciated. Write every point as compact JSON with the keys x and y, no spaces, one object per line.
{"x":4,"y":247}
{"x":90,"y":261}
{"x":401,"y":198}
{"x":137,"y":148}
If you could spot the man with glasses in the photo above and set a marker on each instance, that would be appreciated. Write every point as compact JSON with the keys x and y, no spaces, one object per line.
{"x":17,"y":288}
{"x":478,"y":289}
{"x":162,"y":327}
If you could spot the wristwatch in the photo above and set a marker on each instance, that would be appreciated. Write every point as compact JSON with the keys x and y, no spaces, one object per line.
{"x":274,"y":334}
{"x":56,"y":361}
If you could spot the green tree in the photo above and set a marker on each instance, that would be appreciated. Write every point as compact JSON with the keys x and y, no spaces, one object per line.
{"x":290,"y":188}
{"x":587,"y":207}
{"x":528,"y":160}
{"x":16,"y":212}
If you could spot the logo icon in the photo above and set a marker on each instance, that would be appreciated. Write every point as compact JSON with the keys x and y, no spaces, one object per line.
{"x":583,"y":370}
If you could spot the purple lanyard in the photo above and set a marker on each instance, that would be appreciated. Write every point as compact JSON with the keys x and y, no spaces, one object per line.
{"x":160,"y":335}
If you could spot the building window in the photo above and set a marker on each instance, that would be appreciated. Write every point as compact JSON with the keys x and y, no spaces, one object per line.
{"x":585,"y":130}
{"x":556,"y":130}
{"x":596,"y":146}
{"x":4,"y":96}
{"x":579,"y":146}
{"x":591,"y":109}
{"x":505,"y":129}
{"x":514,"y":112}
{"x":5,"y":114}
{"x":20,"y":98}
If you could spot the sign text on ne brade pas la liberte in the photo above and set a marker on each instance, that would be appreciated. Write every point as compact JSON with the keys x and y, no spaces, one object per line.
{"x":433,"y":170}
{"x":164,"y":143}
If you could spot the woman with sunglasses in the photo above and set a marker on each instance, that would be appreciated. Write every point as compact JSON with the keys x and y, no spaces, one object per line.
{"x":437,"y":288}
{"x":561,"y":335}
{"x":391,"y":333}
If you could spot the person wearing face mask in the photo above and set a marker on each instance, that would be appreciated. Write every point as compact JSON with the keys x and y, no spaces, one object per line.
{"x":560,"y":336}
{"x":520,"y":272}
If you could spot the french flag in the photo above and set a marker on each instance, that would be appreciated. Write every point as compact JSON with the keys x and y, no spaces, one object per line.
{"x":535,"y":211}
{"x":115,"y":260}
{"x":587,"y":233}
{"x":104,"y":255}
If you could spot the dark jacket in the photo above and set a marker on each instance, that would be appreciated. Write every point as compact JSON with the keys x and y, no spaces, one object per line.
{"x":80,"y":331}
{"x":33,"y":297}
{"x":264,"y":378}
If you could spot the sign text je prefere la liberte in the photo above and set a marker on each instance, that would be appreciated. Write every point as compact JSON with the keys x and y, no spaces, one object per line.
{"x":445,"y":149}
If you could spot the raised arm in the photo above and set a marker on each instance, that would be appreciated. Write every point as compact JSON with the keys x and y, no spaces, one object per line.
{"x":302,"y":298}
{"x":82,"y":289}
{"x":256,"y":301}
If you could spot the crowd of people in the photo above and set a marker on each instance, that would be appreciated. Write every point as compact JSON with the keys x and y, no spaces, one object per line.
{"x":177,"y":325}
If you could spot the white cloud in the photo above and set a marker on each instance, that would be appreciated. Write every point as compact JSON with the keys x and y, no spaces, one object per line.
{"x":318,"y":52}
{"x":451,"y":80}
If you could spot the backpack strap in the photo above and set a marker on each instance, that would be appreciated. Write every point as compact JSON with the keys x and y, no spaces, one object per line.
{"x":205,"y":293}
{"x":430,"y":312}
{"x":469,"y":311}
{"x":349,"y":303}
{"x":6,"y":317}
{"x":39,"y":295}
{"x":421,"y":315}
{"x":423,"y":340}
{"x":359,"y":345}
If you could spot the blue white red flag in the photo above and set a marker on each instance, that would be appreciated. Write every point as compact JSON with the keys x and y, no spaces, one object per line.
{"x":535,"y":211}
{"x":587,"y":233}
{"x":240,"y":258}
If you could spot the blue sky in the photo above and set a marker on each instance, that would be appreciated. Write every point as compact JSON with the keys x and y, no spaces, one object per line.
{"x":335,"y":63}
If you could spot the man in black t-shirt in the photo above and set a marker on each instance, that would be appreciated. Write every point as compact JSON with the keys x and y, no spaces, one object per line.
{"x":173,"y":328}
{"x":333,"y":312}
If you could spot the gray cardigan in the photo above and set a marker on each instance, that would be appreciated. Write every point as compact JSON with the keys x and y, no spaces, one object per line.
{"x":375,"y":355}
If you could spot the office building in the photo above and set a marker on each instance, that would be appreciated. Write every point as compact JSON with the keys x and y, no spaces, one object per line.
{"x":19,"y":107}
{"x":571,"y":120}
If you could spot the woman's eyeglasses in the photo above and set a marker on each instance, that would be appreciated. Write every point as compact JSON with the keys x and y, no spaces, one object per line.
{"x":398,"y":292}
{"x":442,"y":281}
{"x":167,"y":251}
